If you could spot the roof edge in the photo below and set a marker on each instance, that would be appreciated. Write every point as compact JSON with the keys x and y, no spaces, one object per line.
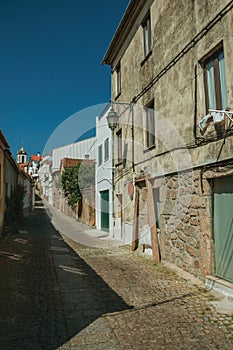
{"x":123,"y":29}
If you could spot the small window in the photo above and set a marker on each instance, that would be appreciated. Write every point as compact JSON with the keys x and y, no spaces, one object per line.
{"x":119,"y":145}
{"x":106,"y":149}
{"x":215,"y":80}
{"x":150,"y":125}
{"x":100,"y":155}
{"x":118,"y":79}
{"x":147,"y":42}
{"x":6,"y":192}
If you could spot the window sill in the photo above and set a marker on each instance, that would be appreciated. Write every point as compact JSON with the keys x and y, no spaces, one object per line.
{"x":148,"y":149}
{"x":146,"y":58}
{"x":118,"y":164}
{"x":117,"y":96}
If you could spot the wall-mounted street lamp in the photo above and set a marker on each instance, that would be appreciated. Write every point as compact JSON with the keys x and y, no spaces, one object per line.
{"x":112,"y":119}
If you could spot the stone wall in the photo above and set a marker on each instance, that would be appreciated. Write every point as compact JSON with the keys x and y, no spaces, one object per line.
{"x":88,"y":206}
{"x":186,"y":221}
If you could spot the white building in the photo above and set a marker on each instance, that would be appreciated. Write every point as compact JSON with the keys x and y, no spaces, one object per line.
{"x":34,"y":165}
{"x":45,"y":179}
{"x":84,"y":149}
{"x":104,"y":175}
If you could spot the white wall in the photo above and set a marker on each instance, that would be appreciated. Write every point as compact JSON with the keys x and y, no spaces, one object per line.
{"x":103,"y":171}
{"x":77,"y":150}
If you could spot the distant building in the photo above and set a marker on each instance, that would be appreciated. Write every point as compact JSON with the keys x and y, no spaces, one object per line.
{"x":11,"y":176}
{"x":33,"y":166}
{"x":22,"y":155}
{"x":45,"y":179}
{"x":30,"y":167}
{"x":22,"y":159}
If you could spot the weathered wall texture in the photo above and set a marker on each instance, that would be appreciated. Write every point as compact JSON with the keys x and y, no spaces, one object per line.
{"x":88,"y":206}
{"x":84,"y":211}
{"x":172,"y":75}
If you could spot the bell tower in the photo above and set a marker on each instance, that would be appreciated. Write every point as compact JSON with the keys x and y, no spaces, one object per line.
{"x":21,"y":155}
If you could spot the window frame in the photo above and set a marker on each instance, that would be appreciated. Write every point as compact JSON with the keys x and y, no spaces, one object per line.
{"x":147,"y":35}
{"x":119,"y":146}
{"x":106,"y":149}
{"x":213,"y":56}
{"x":118,"y":79}
{"x":150,"y":139}
{"x":100,"y":154}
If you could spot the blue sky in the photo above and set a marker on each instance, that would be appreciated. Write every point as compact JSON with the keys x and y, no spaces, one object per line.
{"x":50,"y":65}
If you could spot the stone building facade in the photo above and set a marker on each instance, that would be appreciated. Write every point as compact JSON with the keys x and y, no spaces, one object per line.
{"x":172,"y":63}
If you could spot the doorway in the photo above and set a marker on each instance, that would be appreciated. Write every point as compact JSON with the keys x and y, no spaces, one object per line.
{"x":223,"y":227}
{"x":104,"y":195}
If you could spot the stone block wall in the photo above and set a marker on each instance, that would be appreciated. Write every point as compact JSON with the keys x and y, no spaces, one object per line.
{"x":186,"y":223}
{"x":88,"y":206}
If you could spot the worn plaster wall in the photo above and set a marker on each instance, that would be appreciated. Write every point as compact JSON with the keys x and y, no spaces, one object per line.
{"x":11,"y":177}
{"x":174,"y":24}
{"x":173,"y":76}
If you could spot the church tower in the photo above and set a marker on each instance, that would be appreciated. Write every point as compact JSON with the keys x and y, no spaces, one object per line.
{"x":21,"y":155}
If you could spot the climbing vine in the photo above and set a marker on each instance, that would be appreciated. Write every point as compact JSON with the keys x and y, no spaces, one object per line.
{"x":75,"y":179}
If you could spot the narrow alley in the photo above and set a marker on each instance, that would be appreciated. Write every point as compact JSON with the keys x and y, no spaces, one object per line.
{"x":58,"y":294}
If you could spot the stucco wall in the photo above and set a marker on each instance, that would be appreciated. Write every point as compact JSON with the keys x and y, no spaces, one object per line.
{"x":11,"y":177}
{"x":103,"y":170}
{"x":173,"y":76}
{"x":174,"y":92}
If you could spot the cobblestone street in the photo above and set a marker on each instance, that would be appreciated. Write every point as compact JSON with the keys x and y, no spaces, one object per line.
{"x":58,"y":294}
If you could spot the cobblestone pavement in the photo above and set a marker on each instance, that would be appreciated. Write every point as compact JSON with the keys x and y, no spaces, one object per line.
{"x":57,"y":294}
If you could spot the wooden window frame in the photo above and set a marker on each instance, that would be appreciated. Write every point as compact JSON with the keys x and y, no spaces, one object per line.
{"x":118,"y":79}
{"x":147,"y":36}
{"x":212,"y":56}
{"x":150,"y":125}
{"x":119,"y":146}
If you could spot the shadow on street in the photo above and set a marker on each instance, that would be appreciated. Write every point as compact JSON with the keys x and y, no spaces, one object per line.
{"x":48,"y":292}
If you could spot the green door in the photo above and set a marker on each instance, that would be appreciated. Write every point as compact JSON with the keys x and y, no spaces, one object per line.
{"x":223,"y":227}
{"x":105,"y":210}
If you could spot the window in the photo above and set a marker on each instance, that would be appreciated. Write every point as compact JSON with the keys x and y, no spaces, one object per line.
{"x":106,"y":149}
{"x":156,"y":206}
{"x":215,"y":81}
{"x":100,"y":155}
{"x":147,"y":42}
{"x":119,"y":145}
{"x":6,"y":191}
{"x":150,"y":125}
{"x":118,"y":79}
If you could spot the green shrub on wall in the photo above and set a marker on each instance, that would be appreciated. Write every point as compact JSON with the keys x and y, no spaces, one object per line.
{"x":75,"y":179}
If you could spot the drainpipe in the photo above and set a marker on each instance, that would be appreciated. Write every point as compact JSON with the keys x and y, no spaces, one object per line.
{"x":132,"y":111}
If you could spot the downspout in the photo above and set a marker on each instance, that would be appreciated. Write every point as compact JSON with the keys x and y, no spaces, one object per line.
{"x":196,"y":138}
{"x":133,"y":166}
{"x":195,"y":104}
